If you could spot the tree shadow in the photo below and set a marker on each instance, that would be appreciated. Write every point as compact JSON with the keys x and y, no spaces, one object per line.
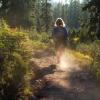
{"x":83,"y":84}
{"x":82,"y":87}
{"x":41,"y":72}
{"x":52,"y":92}
{"x":46,"y":71}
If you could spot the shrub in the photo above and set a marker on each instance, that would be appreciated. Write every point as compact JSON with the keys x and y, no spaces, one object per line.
{"x":96,"y":60}
{"x":85,"y":48}
{"x":15,"y":50}
{"x":37,"y":45}
{"x":74,"y":39}
{"x":40,"y":41}
{"x":93,"y":50}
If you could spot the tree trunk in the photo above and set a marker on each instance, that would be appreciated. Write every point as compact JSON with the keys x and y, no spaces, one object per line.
{"x":98,"y":33}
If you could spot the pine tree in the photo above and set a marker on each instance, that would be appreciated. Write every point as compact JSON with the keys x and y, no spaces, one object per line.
{"x":43,"y":15}
{"x":93,"y":6}
{"x":17,"y":12}
{"x":74,"y":13}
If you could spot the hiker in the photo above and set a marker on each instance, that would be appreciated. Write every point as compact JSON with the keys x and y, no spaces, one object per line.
{"x":59,"y":35}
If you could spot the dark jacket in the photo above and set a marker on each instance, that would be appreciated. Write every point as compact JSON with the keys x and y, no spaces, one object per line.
{"x":59,"y":33}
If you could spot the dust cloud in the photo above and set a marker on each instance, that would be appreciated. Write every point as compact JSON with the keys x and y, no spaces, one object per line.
{"x":67,"y":62}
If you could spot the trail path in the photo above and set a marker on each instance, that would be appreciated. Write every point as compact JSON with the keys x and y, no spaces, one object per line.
{"x":71,"y":84}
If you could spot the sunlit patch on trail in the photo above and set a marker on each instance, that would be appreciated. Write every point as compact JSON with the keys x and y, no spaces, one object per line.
{"x":68,"y":62}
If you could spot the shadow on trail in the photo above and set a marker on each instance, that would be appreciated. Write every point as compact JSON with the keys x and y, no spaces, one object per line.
{"x":81,"y":87}
{"x":42,"y":72}
{"x":72,"y":83}
{"x":55,"y":93}
{"x":46,"y":71}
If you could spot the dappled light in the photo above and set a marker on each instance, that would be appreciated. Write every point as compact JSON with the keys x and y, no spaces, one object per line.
{"x":49,"y":49}
{"x":67,"y":62}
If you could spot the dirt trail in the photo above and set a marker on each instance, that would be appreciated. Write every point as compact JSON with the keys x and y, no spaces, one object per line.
{"x":74,"y":84}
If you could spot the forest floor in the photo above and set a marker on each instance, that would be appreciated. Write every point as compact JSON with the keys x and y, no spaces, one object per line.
{"x":72,"y":82}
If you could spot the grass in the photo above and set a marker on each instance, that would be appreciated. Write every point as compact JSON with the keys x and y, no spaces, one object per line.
{"x":79,"y":55}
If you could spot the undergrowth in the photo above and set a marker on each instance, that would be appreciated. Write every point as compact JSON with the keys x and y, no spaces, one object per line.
{"x":15,"y":52}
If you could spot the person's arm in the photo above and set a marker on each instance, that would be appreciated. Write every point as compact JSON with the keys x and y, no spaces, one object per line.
{"x":66,"y":33}
{"x":53,"y":32}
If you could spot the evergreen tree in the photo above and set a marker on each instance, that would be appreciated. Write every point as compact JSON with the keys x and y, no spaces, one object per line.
{"x":17,"y":12}
{"x":93,"y":6}
{"x":43,"y":15}
{"x":74,"y":12}
{"x":37,"y":15}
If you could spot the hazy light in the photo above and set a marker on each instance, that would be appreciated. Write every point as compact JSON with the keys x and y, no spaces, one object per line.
{"x":64,"y":1}
{"x":67,"y":62}
{"x":59,"y":1}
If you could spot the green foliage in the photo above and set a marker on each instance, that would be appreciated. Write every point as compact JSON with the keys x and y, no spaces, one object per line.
{"x":15,"y":50}
{"x":93,"y":7}
{"x":92,"y":50}
{"x":81,"y":35}
{"x":74,"y":13}
{"x":40,"y":41}
{"x":43,"y":15}
{"x":96,"y":60}
{"x":17,"y":12}
{"x":85,"y":34}
{"x":74,"y":39}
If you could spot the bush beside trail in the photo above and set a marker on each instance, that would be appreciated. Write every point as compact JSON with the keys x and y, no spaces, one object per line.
{"x":15,"y":52}
{"x":93,"y":50}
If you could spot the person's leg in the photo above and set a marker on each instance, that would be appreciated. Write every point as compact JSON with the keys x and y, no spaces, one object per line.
{"x":59,"y":52}
{"x":57,"y":55}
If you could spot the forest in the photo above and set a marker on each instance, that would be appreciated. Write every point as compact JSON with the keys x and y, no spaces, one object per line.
{"x":27,"y":50}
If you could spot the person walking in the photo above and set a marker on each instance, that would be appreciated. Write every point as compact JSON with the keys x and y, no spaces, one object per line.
{"x":59,"y":35}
